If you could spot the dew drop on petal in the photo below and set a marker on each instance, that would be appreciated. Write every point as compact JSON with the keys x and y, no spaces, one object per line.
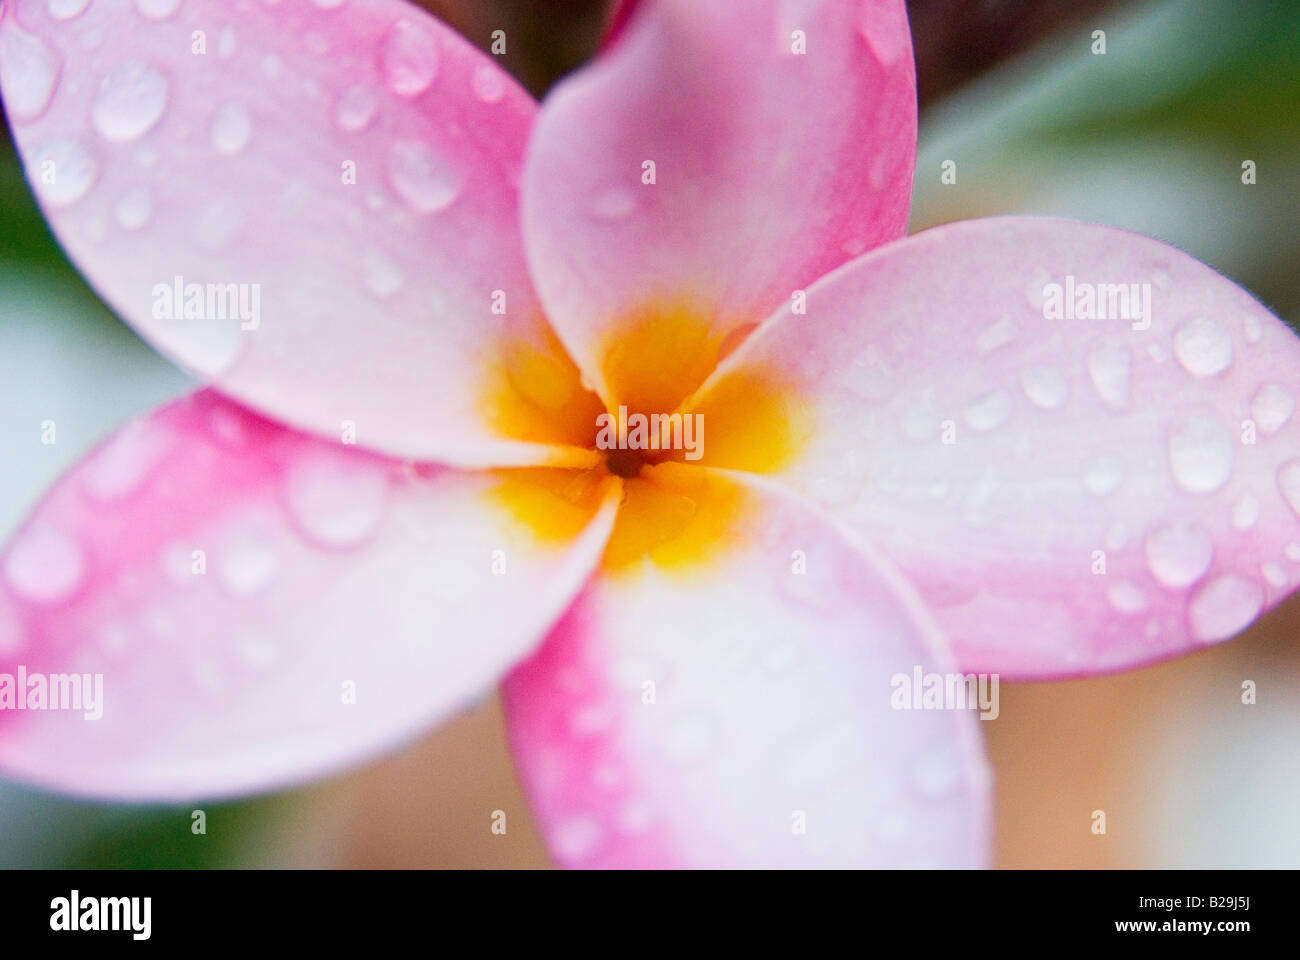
{"x":337,"y":500}
{"x":44,"y":565}
{"x":1224,"y":606}
{"x":427,"y":180}
{"x":614,"y":203}
{"x":130,"y":100}
{"x":232,"y":127}
{"x":1271,"y":408}
{"x":120,"y":466}
{"x":577,"y":838}
{"x":410,"y":58}
{"x":1203,"y":347}
{"x":29,"y":71}
{"x":133,"y":209}
{"x":1288,"y":482}
{"x":1179,"y":554}
{"x":246,"y":565}
{"x":1245,"y":512}
{"x":157,"y":9}
{"x":1252,"y":329}
{"x":1109,"y":368}
{"x":1103,"y":475}
{"x":1200,"y":455}
{"x":488,"y":83}
{"x":1126,"y":598}
{"x":988,"y":412}
{"x":997,"y":334}
{"x":382,"y":276}
{"x":1045,"y":387}
{"x":1273,"y":573}
{"x":355,"y":107}
{"x":62,"y":171}
{"x":66,"y":9}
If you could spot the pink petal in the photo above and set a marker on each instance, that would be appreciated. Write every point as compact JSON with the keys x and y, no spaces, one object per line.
{"x":233,"y":582}
{"x":231,"y":166}
{"x":679,"y":720}
{"x":771,"y":167}
{"x":1101,"y":502}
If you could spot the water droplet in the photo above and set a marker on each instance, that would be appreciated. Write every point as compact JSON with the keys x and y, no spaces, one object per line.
{"x":231,"y":129}
{"x":316,"y":43}
{"x":997,"y":334}
{"x":425,"y":179}
{"x":410,"y":58}
{"x":1203,"y":347}
{"x":1288,"y":482}
{"x":615,"y":203}
{"x":1245,"y":512}
{"x":1292,"y":551}
{"x":1126,"y":598}
{"x":256,"y":651}
{"x":1179,"y":554}
{"x":216,"y":225}
{"x":590,"y":720}
{"x":635,"y":816}
{"x":63,"y":170}
{"x":1200,"y":455}
{"x":130,"y":101}
{"x":227,"y":41}
{"x":1252,"y":328}
{"x":1272,"y":407}
{"x":988,"y":412}
{"x":691,"y":738}
{"x":937,"y":774}
{"x":577,"y":838}
{"x":1109,"y":368}
{"x":1224,"y":606}
{"x":1273,"y":573}
{"x":134,"y":208}
{"x":1103,"y":475}
{"x":66,"y":9}
{"x":157,"y":9}
{"x":29,"y":71}
{"x":1045,"y":387}
{"x":488,"y":82}
{"x":337,"y":499}
{"x":121,"y":465}
{"x":272,"y":66}
{"x":247,"y":565}
{"x":382,"y":277}
{"x":355,"y":107}
{"x":44,"y":565}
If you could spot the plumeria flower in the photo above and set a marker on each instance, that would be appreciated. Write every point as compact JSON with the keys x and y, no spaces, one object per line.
{"x":391,"y":496}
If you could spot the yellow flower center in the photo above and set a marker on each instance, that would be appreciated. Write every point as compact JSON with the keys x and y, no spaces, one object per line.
{"x":670,"y":512}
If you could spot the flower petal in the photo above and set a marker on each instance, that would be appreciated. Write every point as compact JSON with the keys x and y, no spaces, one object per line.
{"x":352,"y":166}
{"x":1069,"y":495}
{"x":740,"y":716}
{"x":263,"y":606}
{"x":770,"y":166}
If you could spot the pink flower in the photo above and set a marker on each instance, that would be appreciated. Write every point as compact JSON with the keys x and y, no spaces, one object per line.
{"x":924,"y":454}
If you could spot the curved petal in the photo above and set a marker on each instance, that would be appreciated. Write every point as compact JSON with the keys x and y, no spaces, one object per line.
{"x":349,"y":168}
{"x":771,"y":167}
{"x":262,"y":606}
{"x":1069,"y":494}
{"x":741,"y":715}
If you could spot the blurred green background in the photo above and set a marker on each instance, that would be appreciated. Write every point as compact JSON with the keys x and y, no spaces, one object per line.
{"x":1150,"y":136}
